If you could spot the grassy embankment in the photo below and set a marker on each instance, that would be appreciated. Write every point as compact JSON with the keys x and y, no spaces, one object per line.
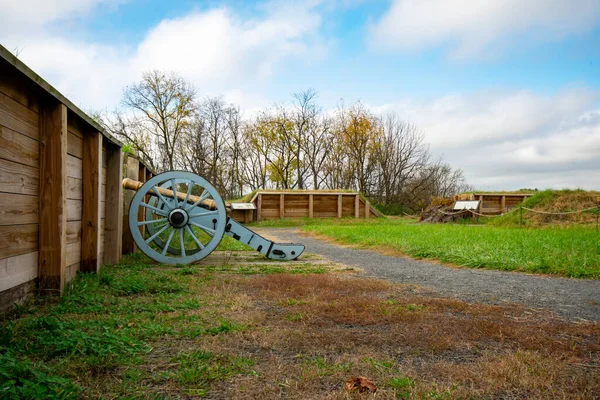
{"x":248,"y":329}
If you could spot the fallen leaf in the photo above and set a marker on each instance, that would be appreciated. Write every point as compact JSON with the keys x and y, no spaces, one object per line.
{"x":361,"y":384}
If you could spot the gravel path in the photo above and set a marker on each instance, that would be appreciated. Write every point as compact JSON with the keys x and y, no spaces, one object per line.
{"x":573,"y":299}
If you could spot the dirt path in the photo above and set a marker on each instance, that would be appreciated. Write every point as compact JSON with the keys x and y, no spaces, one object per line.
{"x":573,"y":299}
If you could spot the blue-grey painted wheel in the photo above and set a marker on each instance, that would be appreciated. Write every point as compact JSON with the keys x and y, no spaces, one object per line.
{"x":186,"y":232}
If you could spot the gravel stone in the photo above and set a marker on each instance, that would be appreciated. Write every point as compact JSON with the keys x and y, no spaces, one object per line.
{"x":570,"y":298}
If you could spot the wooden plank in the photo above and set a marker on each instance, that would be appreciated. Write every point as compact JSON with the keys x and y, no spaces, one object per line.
{"x":367,"y":209}
{"x":131,"y":172}
{"x":339,"y":206}
{"x":310,"y":206}
{"x":282,"y":205}
{"x":19,"y":178}
{"x":503,"y":204}
{"x":17,"y":270}
{"x":74,"y":145}
{"x":17,"y":117}
{"x":356,"y":206}
{"x":53,"y":197}
{"x":18,"y":239}
{"x":71,"y":271}
{"x":73,"y":232}
{"x":74,"y":188}
{"x":19,"y":148}
{"x":90,"y":221}
{"x":74,"y":210}
{"x":18,"y":209}
{"x":73,"y":253}
{"x":113,"y":224}
{"x":19,"y":89}
{"x":74,"y":167}
{"x":141,"y":210}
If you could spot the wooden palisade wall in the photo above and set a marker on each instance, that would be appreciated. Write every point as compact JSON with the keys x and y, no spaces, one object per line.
{"x":60,"y":187}
{"x":312,"y":204}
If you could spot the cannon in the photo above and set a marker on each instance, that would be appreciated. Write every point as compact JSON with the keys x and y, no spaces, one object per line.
{"x":177,"y":217}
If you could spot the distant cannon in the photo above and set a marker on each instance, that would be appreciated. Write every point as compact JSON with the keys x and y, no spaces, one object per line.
{"x":183,"y":219}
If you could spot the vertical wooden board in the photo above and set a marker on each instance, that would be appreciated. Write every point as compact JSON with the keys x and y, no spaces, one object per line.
{"x":53,"y":182}
{"x":17,"y":270}
{"x":357,"y":206}
{"x":282,"y":205}
{"x":142,"y":178}
{"x":131,"y":172}
{"x":17,"y":117}
{"x":16,"y":209}
{"x":90,"y":223}
{"x":310,"y":206}
{"x":367,"y":209}
{"x":19,"y":148}
{"x":71,"y":271}
{"x":113,"y":221}
{"x":19,"y":178}
{"x":339,"y":206}
{"x":259,"y":207}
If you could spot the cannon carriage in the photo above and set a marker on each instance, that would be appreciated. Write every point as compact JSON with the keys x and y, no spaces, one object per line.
{"x":184,"y":219}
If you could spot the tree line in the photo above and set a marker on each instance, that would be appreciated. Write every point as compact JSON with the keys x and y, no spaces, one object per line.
{"x":286,"y":146}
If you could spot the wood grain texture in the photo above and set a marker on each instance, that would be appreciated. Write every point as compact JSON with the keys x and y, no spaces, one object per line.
{"x":113,"y":223}
{"x":74,"y":210}
{"x":17,"y":117}
{"x":17,"y":270}
{"x":74,"y":188}
{"x":19,"y":148}
{"x":357,"y":206}
{"x":90,"y":222}
{"x":131,"y":172}
{"x":18,"y":239}
{"x":19,"y":178}
{"x":73,"y":232}
{"x":19,"y":89}
{"x":74,"y":167}
{"x":53,"y":197}
{"x":18,"y":209}
{"x":311,"y":211}
{"x":74,"y":145}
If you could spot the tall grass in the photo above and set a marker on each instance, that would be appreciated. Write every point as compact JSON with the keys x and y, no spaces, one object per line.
{"x":568,"y":251}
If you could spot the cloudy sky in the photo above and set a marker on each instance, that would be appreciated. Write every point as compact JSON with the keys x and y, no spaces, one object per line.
{"x":507,"y":90}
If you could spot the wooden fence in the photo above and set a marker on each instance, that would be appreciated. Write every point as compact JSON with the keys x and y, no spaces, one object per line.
{"x":498,"y":203}
{"x":312,"y":204}
{"x":60,"y":187}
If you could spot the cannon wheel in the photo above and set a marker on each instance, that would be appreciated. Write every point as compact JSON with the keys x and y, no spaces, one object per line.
{"x":188,"y":232}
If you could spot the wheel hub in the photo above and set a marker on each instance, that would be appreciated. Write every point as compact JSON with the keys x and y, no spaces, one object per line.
{"x":178,"y":218}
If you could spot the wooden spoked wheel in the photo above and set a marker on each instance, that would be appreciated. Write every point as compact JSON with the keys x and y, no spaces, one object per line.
{"x":181,"y":228}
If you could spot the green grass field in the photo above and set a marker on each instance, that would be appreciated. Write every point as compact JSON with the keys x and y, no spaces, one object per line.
{"x":572,"y":251}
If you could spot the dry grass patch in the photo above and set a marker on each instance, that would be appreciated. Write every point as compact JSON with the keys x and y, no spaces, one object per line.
{"x":151,"y":331}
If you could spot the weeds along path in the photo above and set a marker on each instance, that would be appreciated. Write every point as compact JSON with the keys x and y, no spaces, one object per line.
{"x":572,"y":299}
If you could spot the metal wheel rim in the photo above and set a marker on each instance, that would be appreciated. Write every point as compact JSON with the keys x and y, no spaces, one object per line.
{"x":195,"y":222}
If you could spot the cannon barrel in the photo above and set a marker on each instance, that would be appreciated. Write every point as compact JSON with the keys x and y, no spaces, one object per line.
{"x":131,"y":184}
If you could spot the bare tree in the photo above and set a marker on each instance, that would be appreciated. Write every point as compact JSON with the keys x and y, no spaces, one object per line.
{"x":161,"y":107}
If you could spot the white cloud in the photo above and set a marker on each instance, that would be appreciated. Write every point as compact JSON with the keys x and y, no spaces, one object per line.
{"x":475,"y":28}
{"x":514,"y":140}
{"x":25,"y":16}
{"x":217,"y":50}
